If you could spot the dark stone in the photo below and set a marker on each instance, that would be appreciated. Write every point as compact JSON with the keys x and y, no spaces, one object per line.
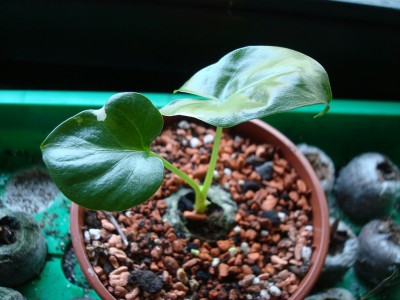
{"x":202,"y":275}
{"x":179,"y":234}
{"x":146,"y":280}
{"x":91,"y":220}
{"x":147,"y":261}
{"x":251,"y":185}
{"x":265,"y":170}
{"x":256,"y":270}
{"x":299,"y":271}
{"x":191,"y":247}
{"x":284,"y":196}
{"x":141,"y":224}
{"x":107,"y":267}
{"x":254,"y":160}
{"x":237,"y":240}
{"x":271,"y":215}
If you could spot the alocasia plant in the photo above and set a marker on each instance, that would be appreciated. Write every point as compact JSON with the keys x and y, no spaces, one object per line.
{"x":101,"y":159}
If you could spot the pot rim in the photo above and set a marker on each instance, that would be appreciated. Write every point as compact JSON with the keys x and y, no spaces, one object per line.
{"x":320,"y":215}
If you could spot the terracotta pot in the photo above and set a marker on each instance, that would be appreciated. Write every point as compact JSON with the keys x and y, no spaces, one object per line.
{"x":257,"y":131}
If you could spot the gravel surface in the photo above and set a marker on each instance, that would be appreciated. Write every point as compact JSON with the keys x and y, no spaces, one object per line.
{"x":264,"y":255}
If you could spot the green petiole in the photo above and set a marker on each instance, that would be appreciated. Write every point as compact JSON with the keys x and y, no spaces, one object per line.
{"x":213,"y":162}
{"x":200,"y":203}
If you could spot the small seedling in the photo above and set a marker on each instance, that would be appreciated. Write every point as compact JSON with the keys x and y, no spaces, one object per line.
{"x":102,"y":160}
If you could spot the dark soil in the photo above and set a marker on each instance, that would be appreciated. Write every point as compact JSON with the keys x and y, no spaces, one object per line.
{"x":337,"y":239}
{"x":8,"y":225}
{"x":72,"y":270}
{"x":208,"y":228}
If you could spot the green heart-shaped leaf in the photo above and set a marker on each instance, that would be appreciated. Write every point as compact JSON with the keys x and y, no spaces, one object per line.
{"x":253,"y":82}
{"x":101,"y":159}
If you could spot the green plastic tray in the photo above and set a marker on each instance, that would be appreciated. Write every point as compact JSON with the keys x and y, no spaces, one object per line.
{"x":26,"y":117}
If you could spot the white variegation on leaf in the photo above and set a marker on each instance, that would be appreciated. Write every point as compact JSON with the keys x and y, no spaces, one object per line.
{"x":250,"y":83}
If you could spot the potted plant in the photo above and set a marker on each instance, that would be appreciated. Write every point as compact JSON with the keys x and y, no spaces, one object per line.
{"x":105,"y":160}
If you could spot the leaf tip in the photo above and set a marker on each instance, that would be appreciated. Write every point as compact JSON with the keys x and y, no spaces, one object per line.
{"x":326,"y":109}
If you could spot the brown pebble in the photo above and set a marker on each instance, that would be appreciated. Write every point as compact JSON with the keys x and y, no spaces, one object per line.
{"x":234,"y":294}
{"x":156,"y":253}
{"x":234,"y":270}
{"x":213,"y":294}
{"x":107,"y":225}
{"x":301,"y":186}
{"x":191,"y":263}
{"x":238,"y":260}
{"x":161,"y":204}
{"x":291,"y":288}
{"x":215,"y":252}
{"x":177,"y":245}
{"x":254,"y":289}
{"x":277,"y":260}
{"x":180,"y":294}
{"x":223,"y":270}
{"x":180,"y":287}
{"x":264,"y":276}
{"x":200,"y":172}
{"x":98,"y":270}
{"x":170,"y":296}
{"x":246,"y":281}
{"x":124,"y":219}
{"x":253,"y":257}
{"x":251,"y":234}
{"x":296,"y":262}
{"x":247,"y":270}
{"x":118,"y":253}
{"x":154,"y":267}
{"x":115,"y":241}
{"x":224,"y":245}
{"x":114,"y":262}
{"x":269,"y":203}
{"x":119,"y":277}
{"x":171,"y":264}
{"x":294,"y":196}
{"x":132,"y":295}
{"x":205,"y":256}
{"x":120,"y":291}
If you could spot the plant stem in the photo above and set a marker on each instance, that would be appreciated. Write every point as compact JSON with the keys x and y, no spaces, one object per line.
{"x":213,"y":162}
{"x":200,"y":203}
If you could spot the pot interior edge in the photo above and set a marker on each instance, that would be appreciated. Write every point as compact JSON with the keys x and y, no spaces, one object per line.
{"x":77,"y":216}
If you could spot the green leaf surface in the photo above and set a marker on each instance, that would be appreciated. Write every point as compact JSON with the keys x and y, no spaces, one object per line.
{"x":252,"y":82}
{"x":101,"y":159}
